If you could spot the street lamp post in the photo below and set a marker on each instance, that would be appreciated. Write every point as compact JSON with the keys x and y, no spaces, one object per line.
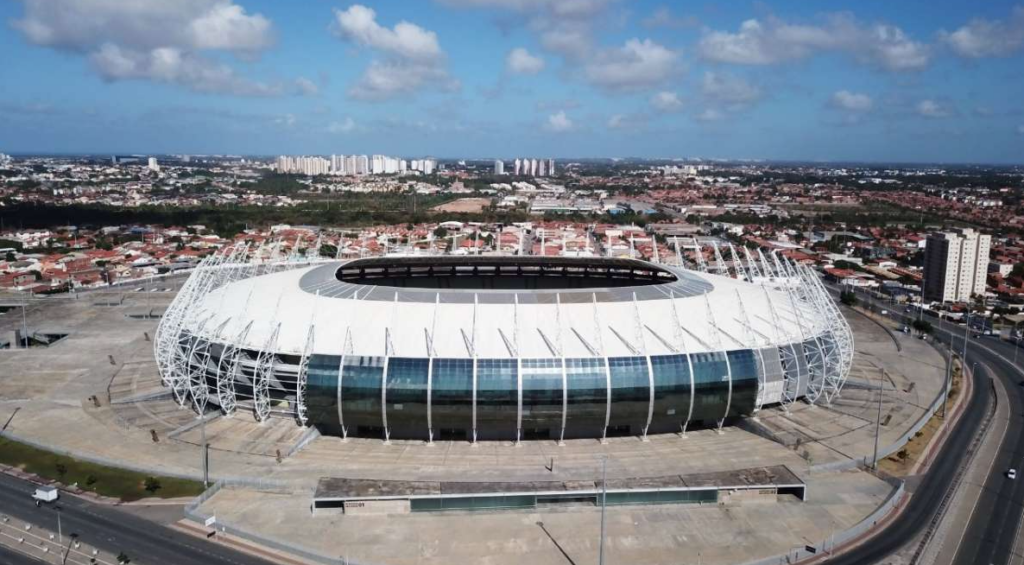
{"x":604,"y":496}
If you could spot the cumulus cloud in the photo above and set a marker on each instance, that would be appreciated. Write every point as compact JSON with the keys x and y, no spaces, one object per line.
{"x":637,"y":65}
{"x":774,"y":41}
{"x":413,"y":58}
{"x":306,"y":87}
{"x":852,"y":101}
{"x":348,"y":125}
{"x":728,"y":89}
{"x":153,"y":40}
{"x":986,"y":38}
{"x":666,"y":101}
{"x":558,"y":123}
{"x":664,"y":18}
{"x":709,"y":115}
{"x":358,"y":24}
{"x":520,"y":61}
{"x":932,"y":109}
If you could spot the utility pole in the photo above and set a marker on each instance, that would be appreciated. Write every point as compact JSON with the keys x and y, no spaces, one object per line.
{"x":945,"y":384}
{"x":878,"y":420}
{"x":967,"y":331}
{"x":205,"y":454}
{"x":604,"y":496}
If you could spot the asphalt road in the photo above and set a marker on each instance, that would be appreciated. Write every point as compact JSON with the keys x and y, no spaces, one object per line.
{"x":10,"y":557}
{"x":114,"y":531}
{"x":994,"y":526}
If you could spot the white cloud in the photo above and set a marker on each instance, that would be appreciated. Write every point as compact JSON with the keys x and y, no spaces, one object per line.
{"x":409,"y":41}
{"x":729,"y":90}
{"x":709,"y":115}
{"x":664,"y":18}
{"x":347,"y":125}
{"x":852,"y":101}
{"x":306,"y":87}
{"x":666,"y":101}
{"x":618,"y":121}
{"x":558,"y":123}
{"x":520,"y":61}
{"x":986,"y":38}
{"x":634,"y":66}
{"x":156,"y":41}
{"x":386,"y":79}
{"x":775,"y":41}
{"x":932,"y":109}
{"x":413,"y":57}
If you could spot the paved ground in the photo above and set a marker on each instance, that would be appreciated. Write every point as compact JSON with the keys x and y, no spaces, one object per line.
{"x":53,"y":388}
{"x":636,"y":534}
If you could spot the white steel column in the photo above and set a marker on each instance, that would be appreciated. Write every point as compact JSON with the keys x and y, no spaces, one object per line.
{"x":715,"y":333}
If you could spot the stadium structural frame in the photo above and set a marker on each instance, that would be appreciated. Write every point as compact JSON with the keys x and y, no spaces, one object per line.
{"x":509,"y":347}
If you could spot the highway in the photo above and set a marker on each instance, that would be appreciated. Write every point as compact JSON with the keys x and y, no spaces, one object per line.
{"x":994,"y":524}
{"x":113,"y":531}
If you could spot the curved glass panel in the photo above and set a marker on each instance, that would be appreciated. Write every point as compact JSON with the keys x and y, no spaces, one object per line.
{"x":497,"y":398}
{"x":745,"y":365}
{"x":322,"y":393}
{"x":542,"y":398}
{"x":360,"y":394}
{"x":451,"y":398}
{"x":631,"y":389}
{"x":671,"y":392}
{"x":587,"y":390}
{"x":711,"y":387}
{"x":407,"y":396}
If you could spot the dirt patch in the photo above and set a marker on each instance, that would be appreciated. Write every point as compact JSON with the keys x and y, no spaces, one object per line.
{"x":468,"y":205}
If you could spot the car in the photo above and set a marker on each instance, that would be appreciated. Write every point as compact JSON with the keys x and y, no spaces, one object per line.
{"x":1011,"y":474}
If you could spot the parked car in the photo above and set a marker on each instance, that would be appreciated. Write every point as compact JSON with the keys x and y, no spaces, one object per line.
{"x":1011,"y":474}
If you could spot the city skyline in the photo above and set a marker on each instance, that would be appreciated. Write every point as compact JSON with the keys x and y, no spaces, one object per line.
{"x":776,"y":81}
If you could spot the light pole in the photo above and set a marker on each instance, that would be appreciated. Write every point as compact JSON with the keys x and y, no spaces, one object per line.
{"x":604,"y":497}
{"x":878,"y":420}
{"x":60,"y":532}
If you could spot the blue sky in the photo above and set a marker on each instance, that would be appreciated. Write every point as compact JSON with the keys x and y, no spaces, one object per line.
{"x":934,"y":81}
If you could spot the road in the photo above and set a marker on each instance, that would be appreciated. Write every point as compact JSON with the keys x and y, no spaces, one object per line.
{"x":994,"y":525}
{"x":113,"y":531}
{"x":10,"y":557}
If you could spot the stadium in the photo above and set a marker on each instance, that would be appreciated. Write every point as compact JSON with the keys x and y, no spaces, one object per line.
{"x":501,"y":348}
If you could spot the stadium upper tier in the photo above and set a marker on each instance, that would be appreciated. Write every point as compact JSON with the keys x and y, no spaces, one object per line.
{"x":501,"y":347}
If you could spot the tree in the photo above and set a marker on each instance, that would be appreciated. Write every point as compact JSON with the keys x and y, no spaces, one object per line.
{"x":848,"y":297}
{"x":152,"y":484}
{"x":440,"y":232}
{"x":62,"y":470}
{"x":10,"y":257}
{"x":923,"y":326}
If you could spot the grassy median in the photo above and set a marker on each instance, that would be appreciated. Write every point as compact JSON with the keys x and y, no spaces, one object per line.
{"x":106,"y":481}
{"x":902,"y":461}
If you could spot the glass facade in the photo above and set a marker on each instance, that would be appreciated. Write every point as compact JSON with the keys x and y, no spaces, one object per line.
{"x":497,"y":398}
{"x":631,"y":395}
{"x":444,"y":389}
{"x":587,"y":391}
{"x":671,"y":392}
{"x":406,"y":397}
{"x":361,"y":378}
{"x":542,"y":398}
{"x":451,"y":398}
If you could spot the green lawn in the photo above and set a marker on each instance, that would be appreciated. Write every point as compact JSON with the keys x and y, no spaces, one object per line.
{"x":103,"y":480}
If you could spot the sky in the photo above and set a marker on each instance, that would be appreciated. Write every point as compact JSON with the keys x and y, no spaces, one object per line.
{"x":867,"y":80}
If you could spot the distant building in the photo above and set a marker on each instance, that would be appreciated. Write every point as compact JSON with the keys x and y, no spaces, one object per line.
{"x":499,"y":167}
{"x":518,"y":166}
{"x":955,"y":265}
{"x":153,"y":165}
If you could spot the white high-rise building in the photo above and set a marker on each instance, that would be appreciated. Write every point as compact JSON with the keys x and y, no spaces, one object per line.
{"x":153,"y":165}
{"x":499,"y":167}
{"x":518,"y":166}
{"x":542,"y":169}
{"x":551,"y":167}
{"x":533,"y":167}
{"x":362,"y":165}
{"x":955,"y":265}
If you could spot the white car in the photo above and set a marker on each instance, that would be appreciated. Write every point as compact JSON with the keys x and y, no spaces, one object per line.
{"x":1011,"y":474}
